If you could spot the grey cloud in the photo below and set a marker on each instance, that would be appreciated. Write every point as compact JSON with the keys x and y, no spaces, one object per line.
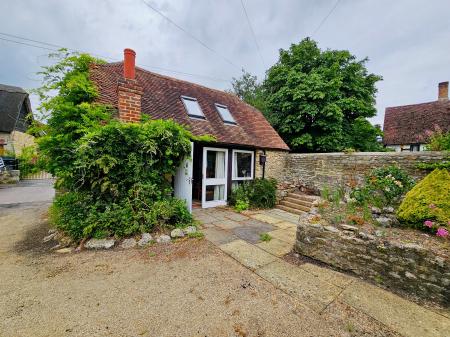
{"x":405,"y":40}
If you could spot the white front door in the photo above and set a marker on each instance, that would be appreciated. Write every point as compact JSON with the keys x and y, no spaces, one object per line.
{"x":214,"y":182}
{"x":183,"y":180}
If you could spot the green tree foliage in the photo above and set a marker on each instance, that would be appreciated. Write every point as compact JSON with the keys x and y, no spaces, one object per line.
{"x":428,"y":200}
{"x":67,"y":102}
{"x":115,"y":176}
{"x":248,"y":89}
{"x":318,"y":101}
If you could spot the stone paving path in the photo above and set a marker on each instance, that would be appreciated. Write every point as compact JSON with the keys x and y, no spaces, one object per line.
{"x":316,"y":287}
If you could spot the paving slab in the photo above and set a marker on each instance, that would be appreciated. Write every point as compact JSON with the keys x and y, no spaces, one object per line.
{"x":287,"y":235}
{"x":204,"y":218}
{"x":218,"y":236}
{"x":405,"y":317}
{"x":227,"y":224}
{"x":249,"y":255}
{"x":334,"y":277}
{"x":235,"y":216}
{"x":285,"y":224}
{"x":265,"y":218}
{"x":251,"y":233}
{"x":310,"y":290}
{"x":283,"y":215}
{"x":276,"y":247}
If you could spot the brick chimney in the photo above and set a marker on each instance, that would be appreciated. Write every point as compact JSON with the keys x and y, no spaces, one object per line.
{"x":443,"y":91}
{"x":129,"y":92}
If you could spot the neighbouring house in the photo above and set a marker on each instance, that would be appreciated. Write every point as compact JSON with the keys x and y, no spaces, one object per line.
{"x":15,"y":119}
{"x":247,"y":146}
{"x":408,"y":127}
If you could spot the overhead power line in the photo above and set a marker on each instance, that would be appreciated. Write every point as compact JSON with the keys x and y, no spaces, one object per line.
{"x":189,"y":34}
{"x":325,"y":18}
{"x":253,"y":34}
{"x":55,"y":48}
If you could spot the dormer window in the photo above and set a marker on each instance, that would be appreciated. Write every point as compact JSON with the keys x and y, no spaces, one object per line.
{"x":192,"y":107}
{"x":225,"y":114}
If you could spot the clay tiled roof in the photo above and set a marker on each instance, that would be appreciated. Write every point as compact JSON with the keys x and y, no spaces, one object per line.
{"x":162,"y":100}
{"x":409,"y":124}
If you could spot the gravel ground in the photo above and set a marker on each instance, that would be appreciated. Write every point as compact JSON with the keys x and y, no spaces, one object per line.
{"x":189,"y":288}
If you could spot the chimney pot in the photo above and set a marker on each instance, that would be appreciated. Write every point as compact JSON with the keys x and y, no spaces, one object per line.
{"x":129,"y":70}
{"x":443,"y":91}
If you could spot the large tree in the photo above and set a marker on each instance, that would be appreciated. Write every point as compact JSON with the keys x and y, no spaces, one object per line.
{"x":247,"y":88}
{"x":318,"y":101}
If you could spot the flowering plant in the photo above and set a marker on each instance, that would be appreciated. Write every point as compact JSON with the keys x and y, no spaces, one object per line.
{"x":383,"y":186}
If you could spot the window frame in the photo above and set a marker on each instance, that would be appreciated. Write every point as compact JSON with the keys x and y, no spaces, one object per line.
{"x":193,"y":99}
{"x":218,"y":105}
{"x":252,"y":166}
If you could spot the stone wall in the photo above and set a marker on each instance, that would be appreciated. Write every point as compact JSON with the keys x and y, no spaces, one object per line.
{"x":9,"y":177}
{"x":317,"y":170}
{"x":404,"y":266}
{"x":276,"y":162}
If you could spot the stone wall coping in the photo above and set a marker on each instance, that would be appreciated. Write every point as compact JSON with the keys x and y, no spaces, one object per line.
{"x":364,"y":154}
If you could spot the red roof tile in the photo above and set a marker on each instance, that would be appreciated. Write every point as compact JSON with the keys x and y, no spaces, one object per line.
{"x":410,"y":124}
{"x":162,"y":100}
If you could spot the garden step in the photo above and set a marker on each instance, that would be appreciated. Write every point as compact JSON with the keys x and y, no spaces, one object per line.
{"x":295,"y":205}
{"x":299,"y":201}
{"x":290,"y":210}
{"x":300,"y":197}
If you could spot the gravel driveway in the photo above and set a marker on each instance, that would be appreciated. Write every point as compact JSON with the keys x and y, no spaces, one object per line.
{"x":188,"y":288}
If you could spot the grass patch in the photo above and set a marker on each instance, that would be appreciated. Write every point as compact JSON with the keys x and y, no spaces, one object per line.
{"x":265,"y":237}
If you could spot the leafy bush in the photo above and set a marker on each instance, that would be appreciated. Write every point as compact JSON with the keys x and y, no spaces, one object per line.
{"x":439,"y":141}
{"x":115,"y":174}
{"x":258,"y":193}
{"x":428,"y":200}
{"x":383,"y":186}
{"x":29,"y":161}
{"x":79,"y":215}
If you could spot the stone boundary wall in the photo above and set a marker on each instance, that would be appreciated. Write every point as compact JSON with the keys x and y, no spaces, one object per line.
{"x":9,"y":177}
{"x":314,"y":171}
{"x":405,"y":266}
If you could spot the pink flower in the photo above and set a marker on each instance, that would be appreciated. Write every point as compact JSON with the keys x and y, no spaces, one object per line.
{"x":432,"y":206}
{"x":428,"y":223}
{"x":442,"y":232}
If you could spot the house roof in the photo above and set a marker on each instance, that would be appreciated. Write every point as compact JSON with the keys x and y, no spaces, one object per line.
{"x":410,"y":124}
{"x":162,"y":100}
{"x":14,"y":107}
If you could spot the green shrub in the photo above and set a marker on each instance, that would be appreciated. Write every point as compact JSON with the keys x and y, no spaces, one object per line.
{"x":428,"y":200}
{"x":80,"y":216}
{"x":258,"y":193}
{"x":29,"y":161}
{"x":383,"y":186}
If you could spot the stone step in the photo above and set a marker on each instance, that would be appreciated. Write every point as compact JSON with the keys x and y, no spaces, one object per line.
{"x":295,"y":205}
{"x":290,"y":210}
{"x":299,"y":201}
{"x":300,"y":196}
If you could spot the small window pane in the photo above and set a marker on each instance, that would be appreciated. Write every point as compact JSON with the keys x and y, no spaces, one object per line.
{"x":215,"y":192}
{"x":192,"y":107}
{"x":242,"y":165}
{"x":225,"y":114}
{"x":215,"y":164}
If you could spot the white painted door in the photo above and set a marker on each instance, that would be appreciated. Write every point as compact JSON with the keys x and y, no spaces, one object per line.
{"x":214,"y":182}
{"x":183,"y":180}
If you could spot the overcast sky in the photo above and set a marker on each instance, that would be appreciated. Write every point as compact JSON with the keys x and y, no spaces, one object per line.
{"x":407,"y":41}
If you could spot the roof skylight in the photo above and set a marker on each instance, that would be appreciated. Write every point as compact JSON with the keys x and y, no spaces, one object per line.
{"x":225,"y":114}
{"x":192,"y":107}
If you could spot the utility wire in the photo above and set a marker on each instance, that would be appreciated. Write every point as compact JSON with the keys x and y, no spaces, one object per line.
{"x":189,"y":34}
{"x":57,"y":47}
{"x":253,"y":34}
{"x":325,"y":18}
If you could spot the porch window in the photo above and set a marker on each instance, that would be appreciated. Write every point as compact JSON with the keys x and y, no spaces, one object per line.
{"x":242,"y":165}
{"x":225,"y":114}
{"x":192,"y":107}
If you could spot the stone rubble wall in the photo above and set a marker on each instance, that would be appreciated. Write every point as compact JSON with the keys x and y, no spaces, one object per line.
{"x":405,"y":266}
{"x":316,"y":170}
{"x":9,"y":177}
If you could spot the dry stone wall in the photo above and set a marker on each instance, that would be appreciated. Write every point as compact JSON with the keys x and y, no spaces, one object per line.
{"x":404,"y":266}
{"x":317,"y":170}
